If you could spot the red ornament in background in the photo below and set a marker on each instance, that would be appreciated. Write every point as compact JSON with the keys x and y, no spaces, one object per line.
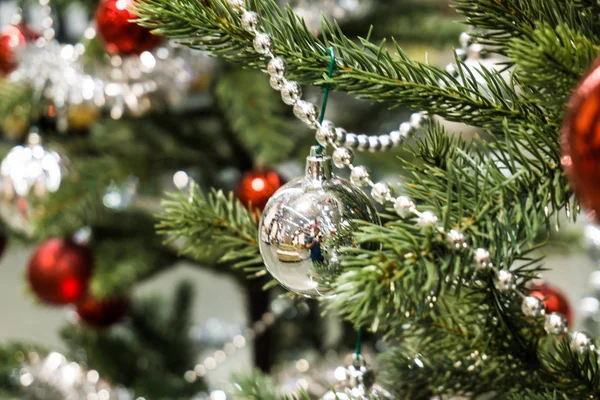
{"x":257,"y":187}
{"x":12,"y":40}
{"x":554,"y":300}
{"x":103,"y":313}
{"x":581,"y":142}
{"x":59,"y":271}
{"x":118,"y":34}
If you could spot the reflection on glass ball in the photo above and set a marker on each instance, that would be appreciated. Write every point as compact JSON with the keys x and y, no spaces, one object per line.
{"x":306,"y":223}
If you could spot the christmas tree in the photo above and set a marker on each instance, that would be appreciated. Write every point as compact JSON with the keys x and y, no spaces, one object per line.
{"x":439,"y":265}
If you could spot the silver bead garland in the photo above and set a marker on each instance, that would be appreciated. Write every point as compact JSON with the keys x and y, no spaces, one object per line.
{"x":343,"y":143}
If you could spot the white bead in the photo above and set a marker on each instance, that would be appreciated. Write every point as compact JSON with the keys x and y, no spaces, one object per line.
{"x":374,"y":144}
{"x":465,"y":40}
{"x":482,"y":258}
{"x":325,"y":133}
{"x":403,"y":205}
{"x":505,"y":280}
{"x":581,"y":342}
{"x":363,"y":142}
{"x":457,"y":239}
{"x":351,"y":141}
{"x":405,"y":130}
{"x":461,"y":54}
{"x":532,"y":307}
{"x":238,"y":5}
{"x":250,"y":21}
{"x":427,"y":219}
{"x":386,"y":142}
{"x":291,"y":92}
{"x":395,"y":138}
{"x":417,"y":119}
{"x":359,"y":176}
{"x":340,"y":136}
{"x":342,"y":157}
{"x":306,"y":112}
{"x":380,"y":192}
{"x":474,"y":51}
{"x":277,"y":82}
{"x":262,"y":43}
{"x":555,"y":324}
{"x":451,"y":69}
{"x":276,"y":67}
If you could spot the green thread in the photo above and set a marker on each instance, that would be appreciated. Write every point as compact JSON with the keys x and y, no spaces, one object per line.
{"x":327,"y":87}
{"x":358,"y":343}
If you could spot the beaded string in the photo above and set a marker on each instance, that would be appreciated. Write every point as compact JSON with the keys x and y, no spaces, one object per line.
{"x":327,"y":134}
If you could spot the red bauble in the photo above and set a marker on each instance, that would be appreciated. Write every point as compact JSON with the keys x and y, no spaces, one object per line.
{"x":257,"y":187}
{"x":581,"y":143}
{"x":59,"y":271}
{"x":12,"y":39}
{"x":554,"y":301}
{"x":103,"y":313}
{"x":119,"y":35}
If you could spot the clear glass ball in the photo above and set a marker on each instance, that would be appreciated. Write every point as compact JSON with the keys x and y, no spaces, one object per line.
{"x":305,"y":225}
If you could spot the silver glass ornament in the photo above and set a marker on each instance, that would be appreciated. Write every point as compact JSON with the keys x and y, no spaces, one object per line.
{"x":532,"y":307}
{"x":305,"y":225}
{"x":581,"y":342}
{"x":27,"y":172}
{"x":555,"y":324}
{"x":358,"y":383}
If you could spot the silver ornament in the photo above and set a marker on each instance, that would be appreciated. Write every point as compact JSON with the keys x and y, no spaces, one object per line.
{"x":457,"y":239}
{"x":360,"y":176}
{"x":505,"y":280}
{"x":291,"y":92}
{"x":276,"y":82}
{"x":403,"y":206}
{"x":325,"y":133}
{"x":342,"y":157}
{"x":358,"y":384}
{"x":581,"y":342}
{"x":482,"y":258}
{"x":532,"y":307}
{"x":555,"y":324}
{"x":26,"y":172}
{"x":427,"y":219}
{"x":306,"y":112}
{"x":380,"y":192}
{"x":305,"y":225}
{"x":262,"y":43}
{"x":250,"y":21}
{"x":276,"y":67}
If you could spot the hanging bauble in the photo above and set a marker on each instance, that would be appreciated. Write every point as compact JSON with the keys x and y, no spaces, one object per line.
{"x":120,"y":36}
{"x":306,"y":224}
{"x":27,"y":172}
{"x":358,"y":383}
{"x":554,"y":301}
{"x":59,"y":271}
{"x":581,"y":143}
{"x":81,"y":117}
{"x":12,"y":41}
{"x":257,"y":187}
{"x":103,"y":313}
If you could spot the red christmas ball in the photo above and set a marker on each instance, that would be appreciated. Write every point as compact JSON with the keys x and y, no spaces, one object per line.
{"x":12,"y":40}
{"x":257,"y":187}
{"x":103,"y":313}
{"x":118,"y":34}
{"x":59,"y":271}
{"x":581,"y":142}
{"x":554,"y":300}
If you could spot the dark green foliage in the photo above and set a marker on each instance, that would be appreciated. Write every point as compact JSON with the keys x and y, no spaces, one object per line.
{"x":150,"y":353}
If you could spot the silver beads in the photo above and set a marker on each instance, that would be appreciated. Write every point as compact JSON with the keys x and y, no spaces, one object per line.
{"x":381,"y":192}
{"x":291,"y":92}
{"x":505,"y":280}
{"x":555,"y":324}
{"x":482,"y":258}
{"x":262,"y":43}
{"x":325,"y":134}
{"x":306,"y":112}
{"x":417,"y":120}
{"x":465,"y":40}
{"x":374,"y":144}
{"x":342,"y":157}
{"x":276,"y":82}
{"x":360,"y":176}
{"x":404,"y":205}
{"x":363,"y":142}
{"x":386,"y":142}
{"x":581,"y":342}
{"x":340,"y":135}
{"x":276,"y":67}
{"x":532,"y":307}
{"x":250,"y":21}
{"x":238,"y":5}
{"x":427,"y":219}
{"x":457,"y":239}
{"x":474,"y":51}
{"x":351,"y":141}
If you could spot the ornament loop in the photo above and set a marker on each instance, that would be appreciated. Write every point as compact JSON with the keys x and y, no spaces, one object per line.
{"x":318,"y":165}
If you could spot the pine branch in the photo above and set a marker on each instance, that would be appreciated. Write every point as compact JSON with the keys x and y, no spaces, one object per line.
{"x":364,"y":69}
{"x":258,"y":386}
